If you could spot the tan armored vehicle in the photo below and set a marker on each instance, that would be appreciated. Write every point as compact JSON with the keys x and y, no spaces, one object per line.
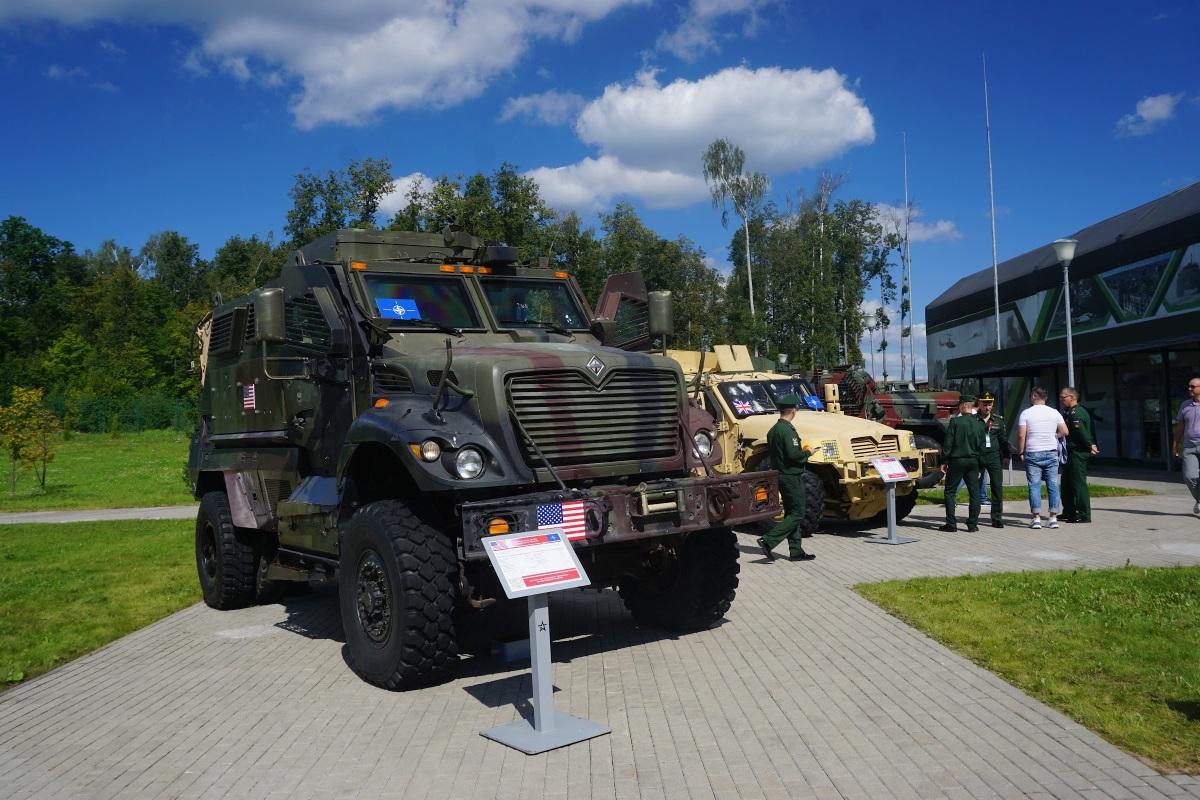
{"x":840,"y":483}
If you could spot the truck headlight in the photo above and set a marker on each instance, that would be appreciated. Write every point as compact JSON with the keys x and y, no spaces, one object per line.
{"x":704,"y":444}
{"x":829,"y":450}
{"x":468,"y":463}
{"x":430,"y":450}
{"x":912,"y":442}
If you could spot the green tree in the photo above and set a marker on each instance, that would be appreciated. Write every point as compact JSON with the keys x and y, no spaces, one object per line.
{"x":19,"y":423}
{"x":348,"y":198}
{"x":175,"y":263}
{"x":725,"y":173}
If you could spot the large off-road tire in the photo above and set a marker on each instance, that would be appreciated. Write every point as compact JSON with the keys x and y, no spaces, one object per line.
{"x":814,"y":502}
{"x":695,"y":582}
{"x":396,"y":582}
{"x":226,"y":559}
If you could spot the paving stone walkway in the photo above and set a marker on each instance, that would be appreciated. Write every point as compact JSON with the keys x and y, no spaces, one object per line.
{"x":806,"y":691}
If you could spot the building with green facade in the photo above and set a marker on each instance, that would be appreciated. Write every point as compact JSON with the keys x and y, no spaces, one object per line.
{"x":1135,"y":312}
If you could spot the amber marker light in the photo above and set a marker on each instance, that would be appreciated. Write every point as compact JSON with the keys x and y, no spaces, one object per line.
{"x":561,"y":275}
{"x":497,"y":525}
{"x":359,"y":265}
{"x":464,"y":268}
{"x":484,"y":270}
{"x":760,"y":494}
{"x":446,"y":268}
{"x":415,"y":449}
{"x":381,"y":402}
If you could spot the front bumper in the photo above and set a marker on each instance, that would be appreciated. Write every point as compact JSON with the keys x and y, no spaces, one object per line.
{"x":615,"y":514}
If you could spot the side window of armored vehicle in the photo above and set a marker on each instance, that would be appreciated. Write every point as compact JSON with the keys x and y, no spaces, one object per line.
{"x":421,"y":298}
{"x":528,"y":303}
{"x":747,"y":398}
{"x":304,"y":322}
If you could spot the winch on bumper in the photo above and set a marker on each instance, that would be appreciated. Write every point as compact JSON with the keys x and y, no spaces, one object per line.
{"x":626,"y":513}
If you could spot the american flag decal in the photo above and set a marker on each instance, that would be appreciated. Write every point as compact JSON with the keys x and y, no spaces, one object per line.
{"x":568,"y":516}
{"x":248,"y":402}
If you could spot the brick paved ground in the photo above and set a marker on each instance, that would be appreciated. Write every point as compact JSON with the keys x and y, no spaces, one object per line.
{"x":806,"y":691}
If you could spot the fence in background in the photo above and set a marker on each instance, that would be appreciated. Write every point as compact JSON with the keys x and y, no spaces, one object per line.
{"x":137,"y":413}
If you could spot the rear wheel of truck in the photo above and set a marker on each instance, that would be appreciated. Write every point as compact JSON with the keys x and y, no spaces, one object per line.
{"x":396,"y":581}
{"x":691,"y":585}
{"x":226,"y":560}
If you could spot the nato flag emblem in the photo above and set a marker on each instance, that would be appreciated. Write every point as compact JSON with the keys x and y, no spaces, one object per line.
{"x":595,"y":365}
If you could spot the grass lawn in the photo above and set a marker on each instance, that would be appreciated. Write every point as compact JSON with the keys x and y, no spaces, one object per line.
{"x":933,"y":497}
{"x":1116,"y":650}
{"x":94,"y":470}
{"x":68,"y":589}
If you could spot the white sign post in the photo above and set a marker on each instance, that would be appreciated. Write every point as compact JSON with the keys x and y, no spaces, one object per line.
{"x":892,"y":472}
{"x":532,"y":565}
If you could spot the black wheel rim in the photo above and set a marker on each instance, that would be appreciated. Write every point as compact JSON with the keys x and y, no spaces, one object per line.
{"x":373,"y":596}
{"x":208,"y":551}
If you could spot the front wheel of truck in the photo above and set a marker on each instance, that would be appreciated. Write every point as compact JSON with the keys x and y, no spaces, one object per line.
{"x":396,"y":594}
{"x":689,"y":585}
{"x":225,"y":557}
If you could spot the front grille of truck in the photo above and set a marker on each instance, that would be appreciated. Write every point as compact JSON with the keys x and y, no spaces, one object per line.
{"x":633,"y":417}
{"x":865,"y":448}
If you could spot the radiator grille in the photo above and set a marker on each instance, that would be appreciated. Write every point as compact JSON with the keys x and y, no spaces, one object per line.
{"x":866,"y":448}
{"x":222,"y":333}
{"x":635,"y":416}
{"x":392,"y":381}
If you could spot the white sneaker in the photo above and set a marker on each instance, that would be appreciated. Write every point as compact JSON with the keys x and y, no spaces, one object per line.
{"x":985,"y":502}
{"x":1036,"y":524}
{"x":1054,"y":522}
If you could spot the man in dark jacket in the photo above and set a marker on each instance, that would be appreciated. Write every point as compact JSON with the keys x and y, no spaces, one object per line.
{"x":961,"y":452}
{"x":789,"y":458}
{"x":1081,"y":446}
{"x":995,"y":453}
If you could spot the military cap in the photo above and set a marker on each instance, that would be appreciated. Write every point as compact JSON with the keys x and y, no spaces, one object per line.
{"x":966,"y":398}
{"x":987,"y":397}
{"x":789,"y":400}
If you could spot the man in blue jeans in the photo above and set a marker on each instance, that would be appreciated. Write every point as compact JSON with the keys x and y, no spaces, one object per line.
{"x":1186,"y":440}
{"x":1038,"y":430}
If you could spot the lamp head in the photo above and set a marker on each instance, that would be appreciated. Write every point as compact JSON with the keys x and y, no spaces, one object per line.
{"x":1064,"y":250}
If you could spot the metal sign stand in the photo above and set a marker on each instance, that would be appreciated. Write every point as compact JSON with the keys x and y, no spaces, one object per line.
{"x":551,"y":566}
{"x":891,"y":538}
{"x":550,"y":729}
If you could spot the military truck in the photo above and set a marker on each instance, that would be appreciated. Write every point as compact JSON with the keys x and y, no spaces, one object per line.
{"x":840,"y":482}
{"x":897,"y":404}
{"x":393,"y":399}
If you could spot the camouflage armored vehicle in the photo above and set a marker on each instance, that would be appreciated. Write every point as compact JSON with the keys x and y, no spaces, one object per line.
{"x":840,"y":482}
{"x":897,"y":404}
{"x":394,"y":398}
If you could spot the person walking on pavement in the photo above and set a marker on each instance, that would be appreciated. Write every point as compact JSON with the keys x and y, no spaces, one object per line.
{"x":1081,"y":446}
{"x":789,"y":458}
{"x":995,"y":452}
{"x":1038,"y":430}
{"x":1186,"y":441}
{"x":960,"y":462}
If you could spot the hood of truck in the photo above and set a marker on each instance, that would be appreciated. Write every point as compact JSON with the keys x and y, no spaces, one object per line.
{"x":816,"y":425}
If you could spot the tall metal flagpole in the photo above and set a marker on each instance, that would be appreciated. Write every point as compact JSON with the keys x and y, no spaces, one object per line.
{"x":912,"y":360}
{"x":987,"y":128}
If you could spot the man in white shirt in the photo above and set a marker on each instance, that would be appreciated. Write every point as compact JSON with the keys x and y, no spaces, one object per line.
{"x":1038,"y":430}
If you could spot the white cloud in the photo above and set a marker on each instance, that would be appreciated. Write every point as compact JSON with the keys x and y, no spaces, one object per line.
{"x":548,"y":108}
{"x":892,"y":218}
{"x":784,"y":119}
{"x":397,"y":198}
{"x":592,"y":184}
{"x":1150,"y":113}
{"x":354,"y":59}
{"x":695,"y":35}
{"x":112,"y":49}
{"x":650,"y":136}
{"x":60,"y":73}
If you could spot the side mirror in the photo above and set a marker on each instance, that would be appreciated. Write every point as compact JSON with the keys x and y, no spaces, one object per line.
{"x":268,"y":316}
{"x":661,"y":322}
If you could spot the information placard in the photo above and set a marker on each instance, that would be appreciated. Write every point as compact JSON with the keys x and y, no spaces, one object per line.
{"x":535,"y":562}
{"x":890,"y":469}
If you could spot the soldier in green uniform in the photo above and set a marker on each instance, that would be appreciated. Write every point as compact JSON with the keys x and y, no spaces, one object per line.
{"x":995,"y":452}
{"x":789,"y":458}
{"x":1081,"y":446}
{"x":961,"y":452}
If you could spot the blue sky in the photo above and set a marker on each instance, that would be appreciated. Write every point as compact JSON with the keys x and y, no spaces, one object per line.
{"x":127,"y":117}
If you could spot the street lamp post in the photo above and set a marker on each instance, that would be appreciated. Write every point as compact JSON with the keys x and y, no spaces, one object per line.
{"x":1064,"y":250}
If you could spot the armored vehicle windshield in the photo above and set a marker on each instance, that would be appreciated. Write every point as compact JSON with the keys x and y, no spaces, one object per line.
{"x":424,"y":298}
{"x":796,"y":386}
{"x":533,"y":303}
